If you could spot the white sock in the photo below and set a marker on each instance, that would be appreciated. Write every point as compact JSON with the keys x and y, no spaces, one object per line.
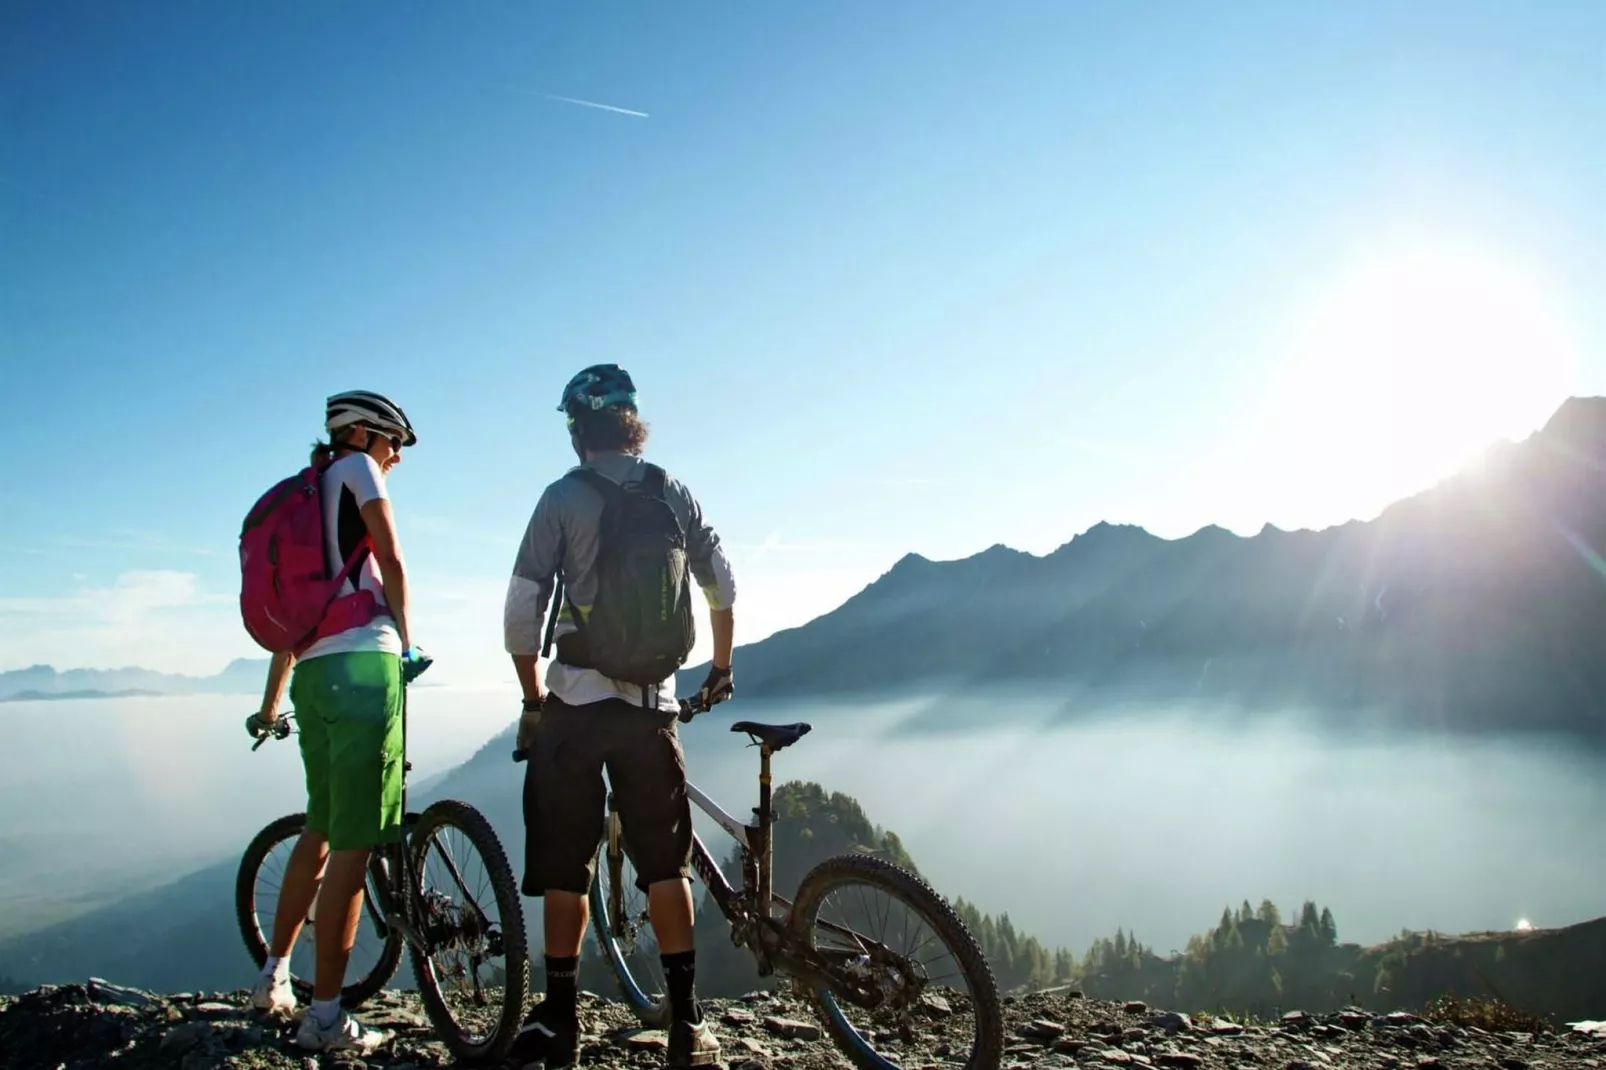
{"x":326,"y":1011}
{"x":276,"y":968}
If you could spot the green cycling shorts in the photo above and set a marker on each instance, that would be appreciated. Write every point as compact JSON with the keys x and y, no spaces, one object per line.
{"x":349,"y":712}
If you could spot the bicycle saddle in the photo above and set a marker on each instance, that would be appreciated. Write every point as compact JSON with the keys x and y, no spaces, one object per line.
{"x":774,"y":736}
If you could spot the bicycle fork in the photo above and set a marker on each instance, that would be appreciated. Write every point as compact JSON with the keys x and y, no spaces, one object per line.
{"x":615,"y":864}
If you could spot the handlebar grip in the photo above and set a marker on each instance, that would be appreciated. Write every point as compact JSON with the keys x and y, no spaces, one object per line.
{"x":520,"y":754}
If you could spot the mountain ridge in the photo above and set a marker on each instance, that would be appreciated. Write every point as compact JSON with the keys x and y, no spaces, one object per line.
{"x":1466,"y":606}
{"x":45,"y":681}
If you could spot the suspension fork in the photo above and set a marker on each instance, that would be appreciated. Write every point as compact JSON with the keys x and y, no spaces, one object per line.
{"x":616,"y":894}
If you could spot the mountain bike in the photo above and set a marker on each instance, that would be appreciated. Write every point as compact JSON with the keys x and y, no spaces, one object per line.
{"x":474,"y":1004}
{"x":837,"y":968}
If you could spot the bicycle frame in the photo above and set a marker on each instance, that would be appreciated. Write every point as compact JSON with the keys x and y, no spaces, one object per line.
{"x":750,"y":908}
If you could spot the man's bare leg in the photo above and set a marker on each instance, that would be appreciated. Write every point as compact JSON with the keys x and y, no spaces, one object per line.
{"x":300,"y":887}
{"x":564,"y":923}
{"x":339,"y":909}
{"x":670,"y":906}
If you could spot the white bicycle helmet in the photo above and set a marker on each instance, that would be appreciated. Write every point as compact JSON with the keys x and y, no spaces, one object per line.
{"x":370,"y":410}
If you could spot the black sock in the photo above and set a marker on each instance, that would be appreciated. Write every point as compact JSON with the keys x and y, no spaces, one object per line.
{"x":680,"y":971}
{"x":560,"y":984}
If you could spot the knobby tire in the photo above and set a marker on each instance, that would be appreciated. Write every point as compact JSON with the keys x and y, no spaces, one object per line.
{"x":471,"y":823}
{"x":987,"y":1051}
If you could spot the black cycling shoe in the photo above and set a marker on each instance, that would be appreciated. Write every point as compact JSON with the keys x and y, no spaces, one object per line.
{"x":546,"y":1039}
{"x":692,"y":1044}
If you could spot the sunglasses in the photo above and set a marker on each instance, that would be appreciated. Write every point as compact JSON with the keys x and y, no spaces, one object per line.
{"x":394,"y":440}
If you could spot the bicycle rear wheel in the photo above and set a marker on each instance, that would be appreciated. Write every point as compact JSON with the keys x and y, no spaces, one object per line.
{"x":476,"y":974}
{"x":890,"y":986}
{"x":374,"y":956}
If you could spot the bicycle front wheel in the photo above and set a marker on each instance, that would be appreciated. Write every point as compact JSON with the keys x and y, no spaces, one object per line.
{"x":907,"y":965}
{"x":622,"y":928}
{"x":474,"y":970}
{"x":257,"y":889}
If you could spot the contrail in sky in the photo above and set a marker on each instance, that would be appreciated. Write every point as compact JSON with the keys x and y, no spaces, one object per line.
{"x":594,"y":104}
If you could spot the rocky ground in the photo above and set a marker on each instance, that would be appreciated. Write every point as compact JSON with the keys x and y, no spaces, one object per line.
{"x":99,"y":1025}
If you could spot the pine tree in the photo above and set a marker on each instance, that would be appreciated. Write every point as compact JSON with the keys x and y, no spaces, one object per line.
{"x":1269,"y":913}
{"x":1244,"y":913}
{"x":1329,"y":928}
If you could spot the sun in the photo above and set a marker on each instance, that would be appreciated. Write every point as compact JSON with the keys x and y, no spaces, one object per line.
{"x":1409,"y":360}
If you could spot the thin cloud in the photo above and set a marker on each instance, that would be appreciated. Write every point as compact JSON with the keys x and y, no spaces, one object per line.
{"x":594,"y":104}
{"x":128,"y":539}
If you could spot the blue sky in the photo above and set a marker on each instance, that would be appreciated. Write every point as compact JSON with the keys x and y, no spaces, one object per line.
{"x":891,"y":276}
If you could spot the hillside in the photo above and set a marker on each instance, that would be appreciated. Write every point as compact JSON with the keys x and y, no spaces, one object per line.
{"x":1254,"y":963}
{"x":1475,"y":605}
{"x":243,"y":675}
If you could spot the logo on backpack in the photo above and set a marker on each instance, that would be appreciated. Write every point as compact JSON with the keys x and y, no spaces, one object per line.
{"x":287,"y":598}
{"x":640,"y":629}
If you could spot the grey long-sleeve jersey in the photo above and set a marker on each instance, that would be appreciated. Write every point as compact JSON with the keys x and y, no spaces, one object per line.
{"x":563,"y":533}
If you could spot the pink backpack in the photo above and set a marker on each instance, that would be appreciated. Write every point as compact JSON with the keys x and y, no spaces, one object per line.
{"x":287,"y":599}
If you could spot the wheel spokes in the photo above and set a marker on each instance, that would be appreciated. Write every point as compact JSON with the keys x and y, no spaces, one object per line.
{"x":461,"y":925}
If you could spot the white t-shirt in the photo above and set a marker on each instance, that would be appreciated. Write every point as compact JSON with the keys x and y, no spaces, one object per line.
{"x":346,"y":486}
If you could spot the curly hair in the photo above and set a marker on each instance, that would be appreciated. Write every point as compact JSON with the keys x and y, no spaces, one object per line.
{"x":614,"y":428}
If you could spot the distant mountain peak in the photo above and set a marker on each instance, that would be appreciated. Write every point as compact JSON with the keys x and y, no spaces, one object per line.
{"x":1215,"y":531}
{"x":1580,"y":423}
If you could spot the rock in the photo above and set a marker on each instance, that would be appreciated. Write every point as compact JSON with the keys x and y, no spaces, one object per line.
{"x":935,"y":1006}
{"x":648,"y":1040}
{"x":1221,"y":1027}
{"x":105,"y":992}
{"x":737,"y":1016}
{"x":1136,"y":1006}
{"x":752,"y":1047}
{"x":1180,"y":1059}
{"x":792,"y":1029}
{"x":1171,"y":1022}
{"x":1041,"y":1029}
{"x":182,"y":1038}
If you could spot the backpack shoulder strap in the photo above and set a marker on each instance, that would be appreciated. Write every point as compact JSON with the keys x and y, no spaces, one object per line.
{"x":652,"y":484}
{"x":603,"y":485}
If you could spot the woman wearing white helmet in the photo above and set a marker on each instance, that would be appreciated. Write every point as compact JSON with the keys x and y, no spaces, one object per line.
{"x":347,"y":691}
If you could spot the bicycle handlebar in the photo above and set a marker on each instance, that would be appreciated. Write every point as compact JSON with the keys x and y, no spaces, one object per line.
{"x":280,"y":730}
{"x":689,"y":708}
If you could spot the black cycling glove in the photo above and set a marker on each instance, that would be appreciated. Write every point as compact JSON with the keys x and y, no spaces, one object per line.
{"x":717,"y":687}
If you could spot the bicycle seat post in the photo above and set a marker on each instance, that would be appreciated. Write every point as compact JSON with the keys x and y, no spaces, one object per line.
{"x":766,"y":846}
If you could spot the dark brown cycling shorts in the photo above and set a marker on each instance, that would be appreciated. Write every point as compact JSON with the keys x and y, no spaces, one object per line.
{"x":565,"y":798}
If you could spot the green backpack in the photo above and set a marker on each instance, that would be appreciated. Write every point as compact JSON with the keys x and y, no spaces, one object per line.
{"x":640,"y":629}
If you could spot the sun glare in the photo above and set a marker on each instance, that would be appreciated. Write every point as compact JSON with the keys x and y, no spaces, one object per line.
{"x":1524,"y":925}
{"x":1407,"y":364}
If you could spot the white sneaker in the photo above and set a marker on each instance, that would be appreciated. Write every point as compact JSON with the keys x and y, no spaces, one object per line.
{"x":347,"y":1034}
{"x":273,"y":995}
